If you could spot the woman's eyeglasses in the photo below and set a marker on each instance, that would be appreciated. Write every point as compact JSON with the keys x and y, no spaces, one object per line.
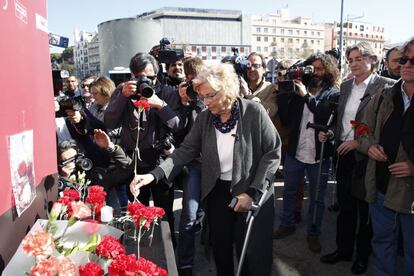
{"x":208,"y":98}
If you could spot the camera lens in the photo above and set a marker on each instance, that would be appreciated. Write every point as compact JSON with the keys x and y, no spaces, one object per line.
{"x":146,"y":90}
{"x":85,"y":164}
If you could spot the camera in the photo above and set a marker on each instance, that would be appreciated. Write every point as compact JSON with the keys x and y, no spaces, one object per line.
{"x":144,"y":86}
{"x":81,"y":162}
{"x":190,"y":91}
{"x":296,"y":71}
{"x":240,"y":63}
{"x":195,"y":102}
{"x":70,"y":103}
{"x":164,"y":143}
{"x":167,"y":54}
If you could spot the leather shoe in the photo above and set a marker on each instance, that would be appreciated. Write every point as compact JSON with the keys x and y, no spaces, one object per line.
{"x":334,"y":258}
{"x":359,"y":266}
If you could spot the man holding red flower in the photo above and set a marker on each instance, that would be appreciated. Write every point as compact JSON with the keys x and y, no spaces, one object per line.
{"x":389,"y":178}
{"x":353,"y":228}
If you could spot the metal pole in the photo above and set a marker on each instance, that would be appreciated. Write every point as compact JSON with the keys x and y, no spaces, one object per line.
{"x":341,"y":37}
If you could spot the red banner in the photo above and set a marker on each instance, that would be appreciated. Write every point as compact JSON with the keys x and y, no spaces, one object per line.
{"x":26,"y":89}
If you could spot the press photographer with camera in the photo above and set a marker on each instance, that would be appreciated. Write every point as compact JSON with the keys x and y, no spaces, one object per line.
{"x":191,"y":214}
{"x":155,"y":123}
{"x":297,"y":108}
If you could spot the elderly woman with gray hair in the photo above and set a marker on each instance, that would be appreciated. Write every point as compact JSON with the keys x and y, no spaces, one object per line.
{"x":239,"y":147}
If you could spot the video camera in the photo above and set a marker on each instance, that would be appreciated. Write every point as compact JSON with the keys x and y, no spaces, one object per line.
{"x":167,"y":54}
{"x":81,"y":162}
{"x":70,"y":103}
{"x":296,"y":71}
{"x":240,"y":63}
{"x":144,"y":86}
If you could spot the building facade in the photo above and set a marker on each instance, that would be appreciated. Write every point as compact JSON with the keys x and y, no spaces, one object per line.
{"x":208,"y":33}
{"x":275,"y":35}
{"x":81,"y":52}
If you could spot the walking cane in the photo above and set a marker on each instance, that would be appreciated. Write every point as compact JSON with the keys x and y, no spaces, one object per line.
{"x":323,"y":128}
{"x":253,"y":212}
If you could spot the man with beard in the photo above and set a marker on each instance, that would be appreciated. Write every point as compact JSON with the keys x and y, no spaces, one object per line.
{"x":353,"y":224}
{"x":392,"y":65}
{"x":175,"y":73}
{"x":296,"y":110}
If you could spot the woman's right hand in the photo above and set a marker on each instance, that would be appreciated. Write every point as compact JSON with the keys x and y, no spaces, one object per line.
{"x":377,"y":153}
{"x":139,"y":181}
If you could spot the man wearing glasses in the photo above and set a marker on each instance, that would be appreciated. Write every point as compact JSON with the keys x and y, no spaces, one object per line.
{"x":389,"y":173}
{"x":353,"y":224}
{"x":154,"y":124}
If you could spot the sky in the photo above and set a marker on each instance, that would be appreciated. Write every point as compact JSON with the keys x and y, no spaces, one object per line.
{"x":64,"y":16}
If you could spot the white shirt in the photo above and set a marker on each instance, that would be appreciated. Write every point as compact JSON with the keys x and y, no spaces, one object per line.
{"x":62,"y":130}
{"x":351,"y":108}
{"x":306,"y":150}
{"x":405,"y":97}
{"x":225,"y":148}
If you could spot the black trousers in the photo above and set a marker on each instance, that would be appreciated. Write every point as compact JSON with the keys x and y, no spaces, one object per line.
{"x":353,"y":225}
{"x":228,"y":227}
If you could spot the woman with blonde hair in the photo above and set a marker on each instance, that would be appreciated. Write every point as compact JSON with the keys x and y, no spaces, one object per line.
{"x":240,"y":148}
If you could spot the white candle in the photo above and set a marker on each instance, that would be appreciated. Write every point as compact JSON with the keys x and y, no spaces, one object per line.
{"x":107,"y":214}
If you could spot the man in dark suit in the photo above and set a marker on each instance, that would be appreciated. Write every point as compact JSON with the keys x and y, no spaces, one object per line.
{"x":353,"y":210}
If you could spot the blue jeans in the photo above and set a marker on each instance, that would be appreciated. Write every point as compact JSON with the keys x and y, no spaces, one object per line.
{"x":386,"y":225}
{"x":293,"y":173}
{"x":188,"y":220}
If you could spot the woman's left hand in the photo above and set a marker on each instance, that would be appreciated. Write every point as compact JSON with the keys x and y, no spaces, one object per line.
{"x":244,"y":203}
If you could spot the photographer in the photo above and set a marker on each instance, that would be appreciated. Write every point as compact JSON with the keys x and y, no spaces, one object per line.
{"x":190,"y":215}
{"x":155,"y":123}
{"x":307,"y":105}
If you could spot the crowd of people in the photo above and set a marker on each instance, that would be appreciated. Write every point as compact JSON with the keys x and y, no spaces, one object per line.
{"x":220,"y":136}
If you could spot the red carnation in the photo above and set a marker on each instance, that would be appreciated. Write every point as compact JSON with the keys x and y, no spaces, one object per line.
{"x":142,"y":104}
{"x":135,"y":208}
{"x":150,"y":268}
{"x":124,"y":266}
{"x":72,"y":194}
{"x":110,"y":248}
{"x":91,"y":269}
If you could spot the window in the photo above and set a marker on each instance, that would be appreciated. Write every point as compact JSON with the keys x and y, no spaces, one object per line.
{"x":290,"y":32}
{"x":297,"y":40}
{"x":274,"y":30}
{"x":305,"y":32}
{"x":290,"y":40}
{"x":312,"y":33}
{"x":318,"y":33}
{"x":274,"y":21}
{"x":258,"y":29}
{"x":258,"y":49}
{"x":266,"y":49}
{"x":258,"y":39}
{"x":297,"y":32}
{"x":361,"y":28}
{"x":282,"y":31}
{"x":266,"y":39}
{"x":274,"y":39}
{"x":282,"y":39}
{"x":213,"y":49}
{"x":297,"y":50}
{"x":312,"y":41}
{"x":265,"y":30}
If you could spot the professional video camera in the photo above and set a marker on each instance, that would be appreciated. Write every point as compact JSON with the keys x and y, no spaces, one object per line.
{"x":144,"y":86}
{"x":70,"y":103}
{"x":164,"y":143}
{"x":296,"y":71}
{"x":167,"y":54}
{"x":81,"y":162}
{"x":335,"y":52}
{"x":240,"y":63}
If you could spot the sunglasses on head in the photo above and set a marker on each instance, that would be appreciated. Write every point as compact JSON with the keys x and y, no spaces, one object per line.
{"x":403,"y":60}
